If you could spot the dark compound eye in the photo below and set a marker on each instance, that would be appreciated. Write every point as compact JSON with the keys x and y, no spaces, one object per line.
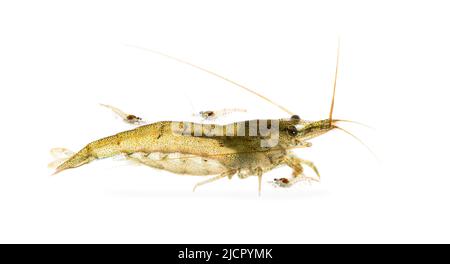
{"x":207,"y":113}
{"x":292,"y":130}
{"x":295,"y":117}
{"x":131,"y":117}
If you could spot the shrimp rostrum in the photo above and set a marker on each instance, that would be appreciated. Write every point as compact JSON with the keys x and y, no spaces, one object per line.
{"x":247,"y":148}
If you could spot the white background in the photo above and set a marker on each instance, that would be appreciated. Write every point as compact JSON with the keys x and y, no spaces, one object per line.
{"x":59,"y":59}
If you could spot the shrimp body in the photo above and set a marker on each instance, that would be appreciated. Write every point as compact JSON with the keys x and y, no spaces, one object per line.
{"x":159,"y":146}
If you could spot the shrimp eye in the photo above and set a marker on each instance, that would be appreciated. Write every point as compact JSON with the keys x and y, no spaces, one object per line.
{"x":292,"y":131}
{"x":207,"y":113}
{"x":131,"y":117}
{"x":295,"y":117}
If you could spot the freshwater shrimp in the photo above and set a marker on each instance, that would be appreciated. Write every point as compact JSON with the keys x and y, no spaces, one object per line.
{"x":208,"y":115}
{"x":211,"y":115}
{"x":240,"y":148}
{"x":127,"y":118}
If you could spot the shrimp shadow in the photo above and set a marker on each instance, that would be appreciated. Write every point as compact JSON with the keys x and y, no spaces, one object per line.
{"x":299,"y":194}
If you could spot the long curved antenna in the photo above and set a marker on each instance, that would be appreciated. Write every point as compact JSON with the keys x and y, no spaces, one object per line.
{"x":359,"y":140}
{"x":215,"y":74}
{"x":353,"y":122}
{"x":334,"y":85}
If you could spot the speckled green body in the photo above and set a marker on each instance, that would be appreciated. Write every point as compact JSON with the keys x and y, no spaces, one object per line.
{"x":190,"y":148}
{"x":243,"y":154}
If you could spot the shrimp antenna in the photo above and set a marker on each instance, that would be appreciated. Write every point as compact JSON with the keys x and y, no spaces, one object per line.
{"x":334,"y":85}
{"x":360,"y":141}
{"x":354,"y":122}
{"x":215,"y":74}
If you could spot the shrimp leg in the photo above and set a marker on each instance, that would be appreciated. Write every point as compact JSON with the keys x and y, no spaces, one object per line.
{"x":215,"y":178}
